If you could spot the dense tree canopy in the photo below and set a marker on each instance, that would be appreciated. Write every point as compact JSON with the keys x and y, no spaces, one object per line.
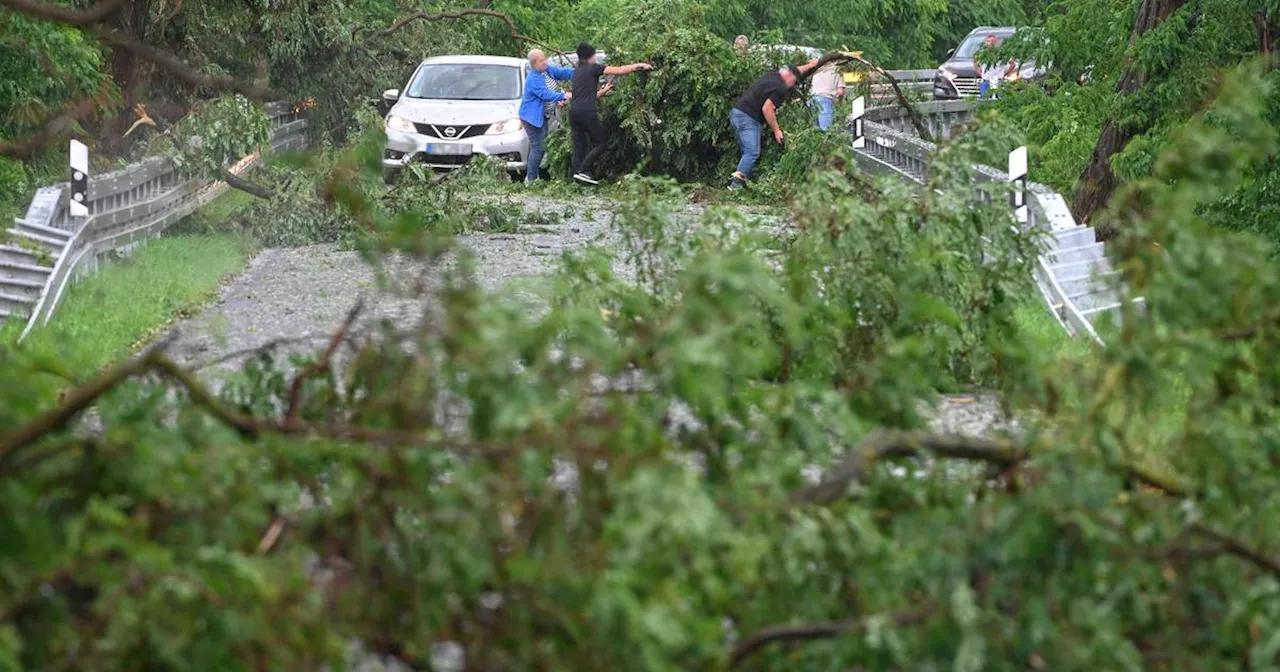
{"x":702,"y":447}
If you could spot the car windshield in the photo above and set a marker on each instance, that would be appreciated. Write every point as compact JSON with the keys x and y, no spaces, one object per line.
{"x":973,"y":43}
{"x":466,"y":81}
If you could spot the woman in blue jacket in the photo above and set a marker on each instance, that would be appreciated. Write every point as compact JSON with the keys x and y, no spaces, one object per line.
{"x":533,"y":113}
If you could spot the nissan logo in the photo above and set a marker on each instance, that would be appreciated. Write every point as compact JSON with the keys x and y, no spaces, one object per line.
{"x":450,"y":131}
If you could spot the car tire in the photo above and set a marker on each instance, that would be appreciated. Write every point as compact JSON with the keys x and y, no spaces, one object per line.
{"x":390,"y":176}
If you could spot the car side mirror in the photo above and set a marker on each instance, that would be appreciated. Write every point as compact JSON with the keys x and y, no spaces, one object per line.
{"x":391,"y":95}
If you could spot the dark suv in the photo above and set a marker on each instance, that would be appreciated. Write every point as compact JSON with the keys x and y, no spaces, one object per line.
{"x":958,"y":78}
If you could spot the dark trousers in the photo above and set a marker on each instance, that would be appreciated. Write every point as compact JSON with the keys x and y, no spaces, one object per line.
{"x":588,"y":139}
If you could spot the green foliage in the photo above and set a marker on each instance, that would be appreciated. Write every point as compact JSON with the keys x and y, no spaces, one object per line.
{"x":220,"y":134}
{"x":13,"y":187}
{"x":782,"y":350}
{"x":674,"y":120}
{"x":1182,"y":59}
{"x":915,"y":33}
{"x":43,"y":68}
{"x":161,"y":280}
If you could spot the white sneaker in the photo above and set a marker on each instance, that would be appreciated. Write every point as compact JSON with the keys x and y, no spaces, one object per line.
{"x":585,"y":178}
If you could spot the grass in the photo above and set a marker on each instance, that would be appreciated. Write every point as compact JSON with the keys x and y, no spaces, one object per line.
{"x":1047,"y":335}
{"x":109,"y":313}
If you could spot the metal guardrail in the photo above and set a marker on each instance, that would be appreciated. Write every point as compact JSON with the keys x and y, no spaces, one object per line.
{"x":1073,"y":273}
{"x":43,"y":251}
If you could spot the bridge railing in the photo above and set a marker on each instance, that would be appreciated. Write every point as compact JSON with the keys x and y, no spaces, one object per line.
{"x":1073,"y":274}
{"x":48,"y":247}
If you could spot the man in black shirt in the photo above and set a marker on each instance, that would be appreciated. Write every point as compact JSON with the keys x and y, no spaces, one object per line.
{"x":584,"y":117}
{"x":758,"y":106}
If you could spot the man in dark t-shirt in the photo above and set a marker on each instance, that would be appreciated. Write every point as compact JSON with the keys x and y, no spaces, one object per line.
{"x":584,"y":118}
{"x":757,"y":107}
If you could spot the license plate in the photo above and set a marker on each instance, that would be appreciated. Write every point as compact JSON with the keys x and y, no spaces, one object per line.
{"x":449,"y":149}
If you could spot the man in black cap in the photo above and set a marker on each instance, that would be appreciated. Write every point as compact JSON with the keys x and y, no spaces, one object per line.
{"x":758,"y":106}
{"x":584,"y":117}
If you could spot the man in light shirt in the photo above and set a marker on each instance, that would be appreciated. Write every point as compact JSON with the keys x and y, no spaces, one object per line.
{"x":828,"y":87}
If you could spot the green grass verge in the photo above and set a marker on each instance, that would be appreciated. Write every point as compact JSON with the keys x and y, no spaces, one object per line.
{"x":107,"y":314}
{"x":1047,"y":336}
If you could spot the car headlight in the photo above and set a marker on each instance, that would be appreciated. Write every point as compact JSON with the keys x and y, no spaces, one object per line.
{"x":508,"y":126}
{"x":947,"y":74}
{"x":401,"y":124}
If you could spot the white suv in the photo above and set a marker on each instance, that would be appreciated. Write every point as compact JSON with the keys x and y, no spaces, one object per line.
{"x":454,"y":108}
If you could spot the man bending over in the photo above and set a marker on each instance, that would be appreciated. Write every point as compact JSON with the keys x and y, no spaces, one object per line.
{"x":757,"y":107}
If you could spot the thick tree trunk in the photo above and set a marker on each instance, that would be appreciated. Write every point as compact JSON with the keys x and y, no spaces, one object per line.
{"x":1098,"y":181}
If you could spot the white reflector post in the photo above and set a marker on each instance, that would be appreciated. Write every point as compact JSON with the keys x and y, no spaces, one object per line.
{"x":859,"y":109}
{"x":79,"y":179}
{"x":1018,"y":183}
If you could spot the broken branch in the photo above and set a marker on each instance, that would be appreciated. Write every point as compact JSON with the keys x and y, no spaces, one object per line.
{"x":883,"y":444}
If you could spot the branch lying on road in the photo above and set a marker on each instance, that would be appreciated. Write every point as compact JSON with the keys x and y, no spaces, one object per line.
{"x":883,"y":444}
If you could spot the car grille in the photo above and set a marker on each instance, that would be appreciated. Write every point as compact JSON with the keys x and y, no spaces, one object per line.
{"x":967,"y":86}
{"x":445,"y":159}
{"x":443,"y":131}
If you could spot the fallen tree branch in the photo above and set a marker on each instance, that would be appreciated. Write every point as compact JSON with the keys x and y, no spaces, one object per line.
{"x":917,"y":121}
{"x":252,"y":188}
{"x":884,"y":444}
{"x":76,"y":400}
{"x":812,"y":631}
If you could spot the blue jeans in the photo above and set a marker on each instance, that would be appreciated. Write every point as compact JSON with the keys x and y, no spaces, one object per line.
{"x":748,"y":131}
{"x":826,"y":110}
{"x":537,"y":149}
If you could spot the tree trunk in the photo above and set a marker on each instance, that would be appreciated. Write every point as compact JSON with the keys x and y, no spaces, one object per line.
{"x":1097,"y":182}
{"x":1268,"y":33}
{"x":132,"y":20}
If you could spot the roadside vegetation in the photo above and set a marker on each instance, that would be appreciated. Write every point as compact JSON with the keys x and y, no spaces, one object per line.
{"x":706,"y":450}
{"x":110,"y":313}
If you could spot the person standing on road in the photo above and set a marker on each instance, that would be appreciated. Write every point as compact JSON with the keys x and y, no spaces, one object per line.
{"x":993,"y":74}
{"x":757,"y":107}
{"x":828,"y":87}
{"x":533,"y":108}
{"x":584,"y":115}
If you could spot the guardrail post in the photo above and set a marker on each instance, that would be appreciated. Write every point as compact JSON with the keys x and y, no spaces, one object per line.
{"x":79,"y":179}
{"x":859,"y":110}
{"x":1018,"y":183}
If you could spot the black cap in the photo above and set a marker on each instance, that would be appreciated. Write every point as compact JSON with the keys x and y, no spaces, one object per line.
{"x":585,"y":52}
